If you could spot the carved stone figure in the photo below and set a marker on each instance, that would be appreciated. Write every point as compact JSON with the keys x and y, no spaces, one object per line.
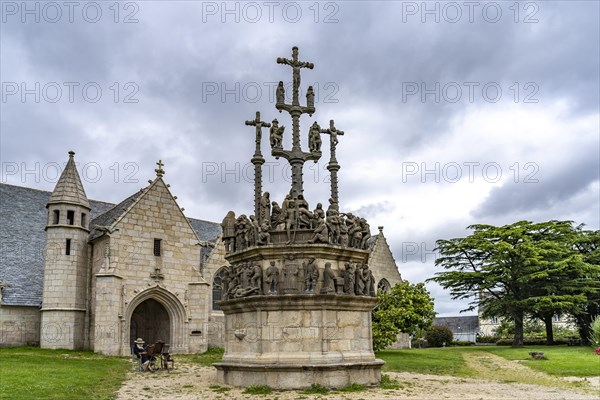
{"x":256,"y":278}
{"x":228,"y":226}
{"x":314,"y":138}
{"x":359,"y":281}
{"x":291,"y":220}
{"x":280,"y":93}
{"x":311,"y":275}
{"x":366,"y":233}
{"x":348,"y":278}
{"x":328,"y":280}
{"x":321,"y":234}
{"x":319,"y":212}
{"x":272,"y":277}
{"x":304,"y":215}
{"x":264,"y":236}
{"x":344,"y":238}
{"x":290,"y":275}
{"x":333,"y":226}
{"x":265,"y":208}
{"x":310,"y":98}
{"x":333,"y":207}
{"x":241,"y":232}
{"x":276,"y":134}
{"x":254,"y":227}
{"x":369,"y":281}
{"x":276,"y":216}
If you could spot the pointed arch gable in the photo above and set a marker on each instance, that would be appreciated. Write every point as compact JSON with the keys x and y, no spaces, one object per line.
{"x":177,"y":315}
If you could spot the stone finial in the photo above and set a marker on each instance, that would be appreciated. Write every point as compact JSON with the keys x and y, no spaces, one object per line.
{"x":380,"y":229}
{"x":71,"y":153}
{"x":160,"y":171}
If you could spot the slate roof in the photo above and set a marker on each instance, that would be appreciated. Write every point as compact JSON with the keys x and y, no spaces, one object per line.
{"x":468,"y":323}
{"x":69,"y":189}
{"x":23,"y":217}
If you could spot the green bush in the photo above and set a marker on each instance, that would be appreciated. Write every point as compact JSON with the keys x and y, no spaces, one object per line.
{"x":595,"y":332}
{"x":531,"y":341}
{"x":487,"y":339}
{"x":462,"y":343}
{"x":438,"y":336}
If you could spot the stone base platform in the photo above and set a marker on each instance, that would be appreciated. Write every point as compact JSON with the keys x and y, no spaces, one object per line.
{"x":333,"y":376}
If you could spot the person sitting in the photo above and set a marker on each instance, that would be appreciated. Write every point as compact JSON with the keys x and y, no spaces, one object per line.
{"x":139,"y":350}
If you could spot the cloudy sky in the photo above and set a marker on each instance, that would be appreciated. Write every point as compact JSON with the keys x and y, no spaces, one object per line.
{"x":455,"y":113}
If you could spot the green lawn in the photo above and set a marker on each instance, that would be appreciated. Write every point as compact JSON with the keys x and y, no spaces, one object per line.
{"x":33,"y":373}
{"x":562,"y":360}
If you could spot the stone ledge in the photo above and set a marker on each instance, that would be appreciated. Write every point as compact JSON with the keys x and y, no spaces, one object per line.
{"x":333,"y":302}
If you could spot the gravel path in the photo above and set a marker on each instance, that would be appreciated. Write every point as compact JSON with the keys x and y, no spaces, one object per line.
{"x":195,"y":382}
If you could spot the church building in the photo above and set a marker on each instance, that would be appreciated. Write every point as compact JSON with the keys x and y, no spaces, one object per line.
{"x":77,"y":273}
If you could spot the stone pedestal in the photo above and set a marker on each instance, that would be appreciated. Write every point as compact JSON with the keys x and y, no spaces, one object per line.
{"x":292,"y":340}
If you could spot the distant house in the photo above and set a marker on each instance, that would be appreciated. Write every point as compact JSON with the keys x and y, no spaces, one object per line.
{"x":463,"y":328}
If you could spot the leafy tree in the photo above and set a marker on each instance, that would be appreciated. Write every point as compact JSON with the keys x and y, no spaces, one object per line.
{"x":513,"y":270}
{"x":587,"y":244}
{"x":438,"y":336}
{"x":405,"y":308}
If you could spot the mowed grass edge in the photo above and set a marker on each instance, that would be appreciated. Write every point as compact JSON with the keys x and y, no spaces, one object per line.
{"x":33,"y":373}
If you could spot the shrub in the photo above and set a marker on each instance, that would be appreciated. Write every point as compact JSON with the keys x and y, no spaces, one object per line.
{"x":438,"y":336}
{"x":595,"y":332}
{"x":462,"y":343}
{"x":487,"y":339}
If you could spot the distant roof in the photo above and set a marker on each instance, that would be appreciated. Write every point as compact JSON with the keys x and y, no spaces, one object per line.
{"x":467,"y":323}
{"x":23,"y":217}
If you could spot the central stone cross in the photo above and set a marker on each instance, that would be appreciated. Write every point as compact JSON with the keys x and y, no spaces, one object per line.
{"x":296,"y":157}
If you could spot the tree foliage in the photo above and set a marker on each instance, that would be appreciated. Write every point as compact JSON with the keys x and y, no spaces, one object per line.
{"x":439,"y":336}
{"x":517,"y":270}
{"x":405,"y":308}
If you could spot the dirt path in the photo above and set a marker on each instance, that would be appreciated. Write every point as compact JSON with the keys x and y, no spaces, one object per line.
{"x":195,"y":382}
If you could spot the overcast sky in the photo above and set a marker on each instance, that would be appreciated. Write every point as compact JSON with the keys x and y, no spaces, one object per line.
{"x":454,"y":113}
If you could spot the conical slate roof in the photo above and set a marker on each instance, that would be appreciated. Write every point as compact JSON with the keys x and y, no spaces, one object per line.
{"x":69,"y":188}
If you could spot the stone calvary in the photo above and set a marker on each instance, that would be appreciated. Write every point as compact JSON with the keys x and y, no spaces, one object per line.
{"x":298,"y":296}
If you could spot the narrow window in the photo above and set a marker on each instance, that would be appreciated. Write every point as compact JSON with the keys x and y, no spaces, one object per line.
{"x":494,"y":320}
{"x":157,"y":247}
{"x":56,"y":217}
{"x":68,"y":248}
{"x":217,"y":289}
{"x":70,"y":217}
{"x":83,"y":220}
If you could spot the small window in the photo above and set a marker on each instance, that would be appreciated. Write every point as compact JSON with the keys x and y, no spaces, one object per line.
{"x":83,"y":220}
{"x":494,"y":320}
{"x":217,"y":289}
{"x":157,"y":247}
{"x":56,"y":217}
{"x":70,"y":217}
{"x":556,"y":318}
{"x":68,"y":247}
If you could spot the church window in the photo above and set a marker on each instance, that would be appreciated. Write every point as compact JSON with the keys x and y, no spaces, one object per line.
{"x":495,"y":320}
{"x":56,"y":217}
{"x":70,"y":217}
{"x":383,"y":286}
{"x":157,"y":243}
{"x":83,"y":220}
{"x":217,"y":289}
{"x":68,"y":247}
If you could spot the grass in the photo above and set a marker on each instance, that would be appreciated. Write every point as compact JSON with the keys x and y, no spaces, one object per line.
{"x":316,"y":389}
{"x":258,"y":389}
{"x":561,"y":360}
{"x":436,"y":361}
{"x":33,"y":373}
{"x":206,"y":359}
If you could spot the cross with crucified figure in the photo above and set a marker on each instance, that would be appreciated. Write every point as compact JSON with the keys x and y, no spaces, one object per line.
{"x":295,"y":156}
{"x":333,"y":167}
{"x":258,"y":160}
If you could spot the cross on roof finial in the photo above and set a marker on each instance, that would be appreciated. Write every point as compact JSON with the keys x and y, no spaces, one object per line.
{"x":160,"y":171}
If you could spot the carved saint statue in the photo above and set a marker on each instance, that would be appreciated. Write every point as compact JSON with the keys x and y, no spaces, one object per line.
{"x":321,"y":234}
{"x":348,"y":278}
{"x":359,"y":281}
{"x":314,"y":138}
{"x":272,"y":277}
{"x":328,"y":280}
{"x":276,"y":134}
{"x":311,"y":275}
{"x":290,"y":275}
{"x":280,"y":93}
{"x":310,"y":97}
{"x":276,"y":215}
{"x":265,"y":208}
{"x":228,"y":226}
{"x":256,"y":278}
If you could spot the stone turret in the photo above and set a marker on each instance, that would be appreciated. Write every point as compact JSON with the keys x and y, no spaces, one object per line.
{"x":65,"y":271}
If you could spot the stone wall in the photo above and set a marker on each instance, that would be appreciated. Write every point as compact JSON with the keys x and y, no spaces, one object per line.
{"x":19,"y":326}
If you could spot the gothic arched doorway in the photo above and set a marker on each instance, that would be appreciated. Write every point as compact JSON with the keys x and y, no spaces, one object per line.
{"x":150,"y":321}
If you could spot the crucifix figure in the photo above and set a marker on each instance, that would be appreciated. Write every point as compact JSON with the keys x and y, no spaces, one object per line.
{"x":258,"y":161}
{"x":296,"y":157}
{"x":333,"y":167}
{"x":160,"y":171}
